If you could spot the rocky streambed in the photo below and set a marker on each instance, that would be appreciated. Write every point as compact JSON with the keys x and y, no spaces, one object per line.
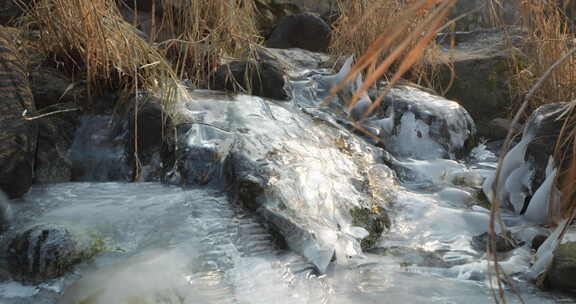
{"x":256,"y":200}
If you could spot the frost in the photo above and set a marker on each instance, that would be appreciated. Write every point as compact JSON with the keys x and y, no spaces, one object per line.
{"x":538,"y":208}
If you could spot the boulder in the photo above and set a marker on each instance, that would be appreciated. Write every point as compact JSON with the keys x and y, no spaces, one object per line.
{"x":417,"y":124}
{"x":313,"y":183}
{"x":305,"y":31}
{"x":17,"y":135}
{"x":260,"y":79}
{"x":46,"y":251}
{"x":54,"y":92}
{"x":563,"y":268}
{"x":480,"y":62}
{"x":268,"y":12}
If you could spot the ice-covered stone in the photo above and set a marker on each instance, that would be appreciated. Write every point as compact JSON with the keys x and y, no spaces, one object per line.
{"x":420,"y":125}
{"x":303,"y":177}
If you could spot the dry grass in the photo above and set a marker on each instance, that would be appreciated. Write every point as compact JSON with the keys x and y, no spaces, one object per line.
{"x":546,"y":73}
{"x":361,"y":23}
{"x":549,"y":37}
{"x":391,"y":46}
{"x":90,"y":40}
{"x":197,"y":36}
{"x":99,"y":47}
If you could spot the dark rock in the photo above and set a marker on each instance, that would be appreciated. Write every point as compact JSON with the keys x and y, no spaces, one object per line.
{"x":151,"y":138}
{"x":17,"y":135}
{"x":260,"y":79}
{"x":503,"y":244}
{"x":480,"y":62}
{"x":203,"y":161}
{"x":374,"y":221}
{"x":537,"y":241}
{"x":305,"y":31}
{"x":543,"y":127}
{"x":5,"y":213}
{"x":55,"y":137}
{"x":268,"y":12}
{"x":47,"y":251}
{"x":50,"y":87}
{"x":563,"y":269}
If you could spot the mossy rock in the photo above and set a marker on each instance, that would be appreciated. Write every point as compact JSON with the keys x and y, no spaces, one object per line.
{"x":374,"y":221}
{"x":563,"y":269}
{"x":413,"y":256}
{"x":48,"y":251}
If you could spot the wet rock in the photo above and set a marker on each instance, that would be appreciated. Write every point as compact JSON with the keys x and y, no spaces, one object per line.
{"x":414,"y":123}
{"x":151,"y":139}
{"x":563,"y":269}
{"x":260,"y":79}
{"x":46,"y":251}
{"x":503,"y":243}
{"x":304,"y":31}
{"x":479,"y":59}
{"x":17,"y":135}
{"x":374,"y":221}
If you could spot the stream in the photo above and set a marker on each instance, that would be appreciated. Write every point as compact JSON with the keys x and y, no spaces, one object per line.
{"x":195,"y":244}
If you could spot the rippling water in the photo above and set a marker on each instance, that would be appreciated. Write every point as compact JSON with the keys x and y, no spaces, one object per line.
{"x":173,"y":245}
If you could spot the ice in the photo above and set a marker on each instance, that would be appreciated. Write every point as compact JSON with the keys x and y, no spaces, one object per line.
{"x":326,"y":82}
{"x":17,"y":290}
{"x":513,"y":160}
{"x":545,"y":253}
{"x":413,"y":140}
{"x":538,"y":209}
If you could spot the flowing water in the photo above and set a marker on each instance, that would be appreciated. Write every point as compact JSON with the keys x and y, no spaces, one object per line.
{"x":167,"y":244}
